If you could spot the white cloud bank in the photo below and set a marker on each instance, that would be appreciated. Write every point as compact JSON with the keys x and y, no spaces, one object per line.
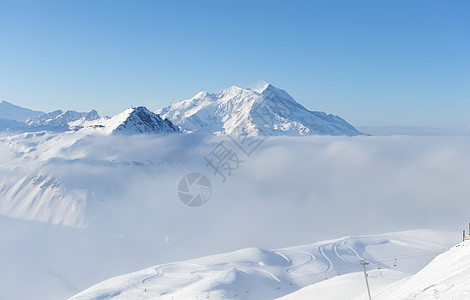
{"x":290,"y":191}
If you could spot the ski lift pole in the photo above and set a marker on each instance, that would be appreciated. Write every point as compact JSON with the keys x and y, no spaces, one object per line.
{"x":363,"y":263}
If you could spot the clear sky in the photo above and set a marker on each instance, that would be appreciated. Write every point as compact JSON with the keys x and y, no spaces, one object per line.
{"x":375,"y":63}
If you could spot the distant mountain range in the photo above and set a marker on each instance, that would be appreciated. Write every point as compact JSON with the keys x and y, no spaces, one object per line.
{"x":268,"y":111}
{"x":10,"y":111}
{"x":60,"y":118}
{"x":18,"y":119}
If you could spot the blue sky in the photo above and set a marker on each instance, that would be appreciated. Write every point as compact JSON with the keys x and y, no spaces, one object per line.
{"x":375,"y":63}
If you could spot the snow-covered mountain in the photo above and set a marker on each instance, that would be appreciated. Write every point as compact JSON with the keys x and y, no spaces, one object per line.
{"x":262,"y":274}
{"x":13,"y":112}
{"x":60,"y":118}
{"x":131,"y":121}
{"x":267,"y":111}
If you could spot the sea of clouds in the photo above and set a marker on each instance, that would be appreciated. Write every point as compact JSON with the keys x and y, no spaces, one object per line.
{"x":289,"y":191}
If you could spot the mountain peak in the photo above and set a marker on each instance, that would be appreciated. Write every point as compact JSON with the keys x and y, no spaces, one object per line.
{"x":266,"y":110}
{"x":233,"y":90}
{"x":260,"y":86}
{"x":201,"y":94}
{"x":141,"y":120}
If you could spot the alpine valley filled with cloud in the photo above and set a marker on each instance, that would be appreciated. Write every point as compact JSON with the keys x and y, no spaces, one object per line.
{"x":237,"y":194}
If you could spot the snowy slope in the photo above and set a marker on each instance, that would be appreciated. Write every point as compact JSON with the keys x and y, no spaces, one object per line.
{"x":446,"y":277}
{"x":38,"y":184}
{"x":348,"y":286}
{"x":268,"y":111}
{"x":261,"y":274}
{"x":28,"y":190}
{"x":33,"y":185}
{"x":17,"y":113}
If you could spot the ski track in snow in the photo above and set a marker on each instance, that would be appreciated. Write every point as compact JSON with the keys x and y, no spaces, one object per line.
{"x":270,"y":275}
{"x":159,"y":273}
{"x":189,"y":278}
{"x":283,"y":256}
{"x":311,"y":258}
{"x":353,"y":250}
{"x":322,"y":252}
{"x":335,"y":248}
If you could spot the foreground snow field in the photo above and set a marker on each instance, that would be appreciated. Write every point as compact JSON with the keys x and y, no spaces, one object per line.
{"x":350,"y":286}
{"x":446,"y":277}
{"x":261,"y":274}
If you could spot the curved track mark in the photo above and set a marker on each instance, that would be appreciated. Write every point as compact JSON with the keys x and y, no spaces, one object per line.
{"x":311,"y":258}
{"x":158,"y":273}
{"x":270,"y":275}
{"x":335,"y":250}
{"x":322,"y":252}
{"x":353,"y":250}
{"x":283,"y":256}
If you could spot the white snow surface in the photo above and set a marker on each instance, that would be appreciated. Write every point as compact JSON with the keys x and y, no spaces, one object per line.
{"x":446,"y":277}
{"x":268,"y":111}
{"x":350,"y":286}
{"x":254,"y":273}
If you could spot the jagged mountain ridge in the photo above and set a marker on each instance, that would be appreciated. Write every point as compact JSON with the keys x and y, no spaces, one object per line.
{"x":268,"y":111}
{"x":60,"y":118}
{"x":133,"y":120}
